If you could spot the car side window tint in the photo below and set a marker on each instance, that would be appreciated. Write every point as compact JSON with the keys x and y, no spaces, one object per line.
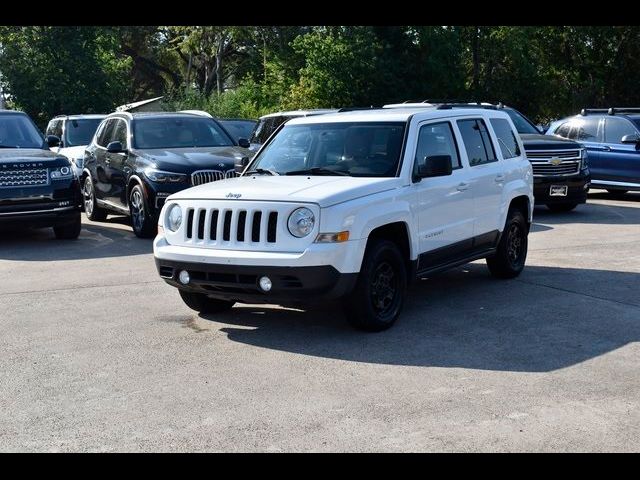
{"x":436,"y":139}
{"x":106,"y":132}
{"x":587,"y":131}
{"x":477,"y":142}
{"x":506,"y":138}
{"x":563,"y":130}
{"x":120,"y":133}
{"x":616,"y":128}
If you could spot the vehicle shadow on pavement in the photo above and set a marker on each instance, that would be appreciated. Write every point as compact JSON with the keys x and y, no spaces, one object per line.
{"x":591,"y":213}
{"x":95,"y":241}
{"x":547,"y":319}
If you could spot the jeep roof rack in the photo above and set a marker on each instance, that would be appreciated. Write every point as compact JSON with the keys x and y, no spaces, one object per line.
{"x":351,"y":109}
{"x":609,"y":111}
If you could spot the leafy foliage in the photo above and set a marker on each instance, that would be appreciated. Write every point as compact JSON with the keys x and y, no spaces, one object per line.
{"x":234,"y":71}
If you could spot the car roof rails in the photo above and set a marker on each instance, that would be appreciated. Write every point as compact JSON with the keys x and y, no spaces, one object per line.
{"x":351,"y":109}
{"x":610,"y":110}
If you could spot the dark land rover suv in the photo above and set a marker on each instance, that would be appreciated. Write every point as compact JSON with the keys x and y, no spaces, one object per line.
{"x":38,"y":188}
{"x":561,"y":176}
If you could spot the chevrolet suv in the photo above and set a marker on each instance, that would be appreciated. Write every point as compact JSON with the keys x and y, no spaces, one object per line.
{"x":612,"y":139}
{"x":560,"y":169}
{"x":136,"y":160}
{"x":353,"y":206}
{"x":38,"y":188}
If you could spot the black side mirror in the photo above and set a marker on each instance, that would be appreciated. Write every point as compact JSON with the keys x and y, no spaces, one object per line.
{"x":435,"y":166}
{"x":633,"y":138}
{"x":52,"y":141}
{"x":115,"y":147}
{"x":244,"y":143}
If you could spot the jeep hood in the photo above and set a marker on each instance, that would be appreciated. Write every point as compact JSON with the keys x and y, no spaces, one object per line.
{"x":325,"y":191}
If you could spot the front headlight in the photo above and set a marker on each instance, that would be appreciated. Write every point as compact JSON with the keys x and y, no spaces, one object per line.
{"x":164,"y":177}
{"x":61,"y":173}
{"x":301,"y":222}
{"x":584,"y":163}
{"x":174,"y":217}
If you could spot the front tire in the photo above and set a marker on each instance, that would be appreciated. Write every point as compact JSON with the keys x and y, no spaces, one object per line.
{"x":509,"y":259}
{"x":144,"y":226}
{"x":203,"y":304}
{"x":561,"y":207}
{"x":93,"y":212}
{"x":377,"y":299}
{"x":70,"y":231}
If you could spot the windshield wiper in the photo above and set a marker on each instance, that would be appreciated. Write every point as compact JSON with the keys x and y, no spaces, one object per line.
{"x":318,"y":171}
{"x":262,"y":171}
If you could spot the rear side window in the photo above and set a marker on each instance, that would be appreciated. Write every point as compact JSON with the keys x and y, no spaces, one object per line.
{"x":436,"y":139}
{"x":477,"y":142}
{"x":563,"y":130}
{"x":506,"y":138}
{"x":587,"y":131}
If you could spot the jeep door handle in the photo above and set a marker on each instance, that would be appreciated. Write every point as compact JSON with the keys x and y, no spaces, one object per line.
{"x":462,"y":186}
{"x":606,"y":148}
{"x":499,"y":178}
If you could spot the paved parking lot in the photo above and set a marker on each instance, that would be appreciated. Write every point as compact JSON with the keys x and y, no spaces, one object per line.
{"x":98,"y":354}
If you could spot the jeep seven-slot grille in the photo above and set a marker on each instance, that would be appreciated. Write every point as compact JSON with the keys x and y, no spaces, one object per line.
{"x":554,"y":162}
{"x":232,"y":225}
{"x":24,"y":178}
{"x":206,"y":176}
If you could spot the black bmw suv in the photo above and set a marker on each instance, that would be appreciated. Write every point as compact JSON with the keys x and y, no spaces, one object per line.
{"x":136,"y":160}
{"x":38,"y":188}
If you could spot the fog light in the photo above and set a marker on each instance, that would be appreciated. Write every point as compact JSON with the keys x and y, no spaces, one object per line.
{"x":184,"y":277}
{"x":265,"y":284}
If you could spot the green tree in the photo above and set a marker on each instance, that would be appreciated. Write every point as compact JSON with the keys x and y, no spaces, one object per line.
{"x":52,"y":70}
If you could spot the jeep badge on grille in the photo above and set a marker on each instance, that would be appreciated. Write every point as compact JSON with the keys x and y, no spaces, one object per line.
{"x":234,"y":195}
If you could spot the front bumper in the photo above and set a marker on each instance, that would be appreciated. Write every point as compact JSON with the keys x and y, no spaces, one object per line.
{"x":40,"y":207}
{"x":577,"y":188}
{"x":290,"y":285}
{"x":321,"y":272}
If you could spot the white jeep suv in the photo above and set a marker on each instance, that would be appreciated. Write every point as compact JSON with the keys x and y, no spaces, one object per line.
{"x":353,"y":206}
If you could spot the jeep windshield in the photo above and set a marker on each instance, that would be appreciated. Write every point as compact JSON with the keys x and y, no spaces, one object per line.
{"x":179,"y":132}
{"x":18,"y":131}
{"x":80,"y":131}
{"x":358,"y":149}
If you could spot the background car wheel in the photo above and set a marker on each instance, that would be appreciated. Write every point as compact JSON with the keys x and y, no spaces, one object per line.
{"x":144,"y":226}
{"x":377,"y":299}
{"x":94,"y":213}
{"x":509,"y":259}
{"x":70,"y":231}
{"x":203,"y":304}
{"x":617,"y":192}
{"x":561,"y":207}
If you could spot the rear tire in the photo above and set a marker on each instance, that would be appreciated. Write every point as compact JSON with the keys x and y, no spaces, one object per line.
{"x":70,"y":231}
{"x":203,"y":304}
{"x":377,"y":299}
{"x":561,"y":207}
{"x":143,"y":224}
{"x":93,"y":212}
{"x":510,"y":257}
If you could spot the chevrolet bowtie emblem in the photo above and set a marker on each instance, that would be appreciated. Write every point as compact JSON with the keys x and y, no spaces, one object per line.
{"x":555,"y":161}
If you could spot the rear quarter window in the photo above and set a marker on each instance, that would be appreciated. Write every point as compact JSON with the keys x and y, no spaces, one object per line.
{"x":506,"y":138}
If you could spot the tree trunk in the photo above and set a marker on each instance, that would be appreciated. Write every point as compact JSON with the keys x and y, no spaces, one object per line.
{"x":219,"y":64}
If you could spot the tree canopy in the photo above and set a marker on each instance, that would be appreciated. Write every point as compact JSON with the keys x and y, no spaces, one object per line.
{"x":546,"y":72}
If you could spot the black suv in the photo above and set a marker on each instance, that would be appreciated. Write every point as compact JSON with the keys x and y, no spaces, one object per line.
{"x":38,"y":188}
{"x":136,"y":160}
{"x":561,"y":176}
